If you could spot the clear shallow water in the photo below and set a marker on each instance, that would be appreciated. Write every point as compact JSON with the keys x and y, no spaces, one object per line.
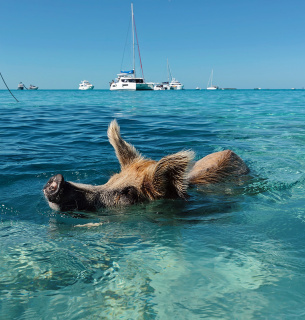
{"x":231,"y":253}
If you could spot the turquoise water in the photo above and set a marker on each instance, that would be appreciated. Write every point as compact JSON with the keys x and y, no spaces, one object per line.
{"x":227,"y":253}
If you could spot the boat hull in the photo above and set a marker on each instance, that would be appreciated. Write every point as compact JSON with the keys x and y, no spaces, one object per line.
{"x":130,"y":86}
{"x":178,"y":87}
{"x":87,"y":88}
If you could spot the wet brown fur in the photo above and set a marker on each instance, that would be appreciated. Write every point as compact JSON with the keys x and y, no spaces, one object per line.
{"x":166,"y":178}
{"x":143,"y":179}
{"x":217,"y":167}
{"x":171,"y":176}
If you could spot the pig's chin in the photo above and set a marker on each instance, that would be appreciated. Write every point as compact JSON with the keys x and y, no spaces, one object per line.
{"x":53,"y":205}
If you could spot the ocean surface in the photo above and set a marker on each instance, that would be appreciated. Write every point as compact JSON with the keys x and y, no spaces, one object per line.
{"x":229,"y":252}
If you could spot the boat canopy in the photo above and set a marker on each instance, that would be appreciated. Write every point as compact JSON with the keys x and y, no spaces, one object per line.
{"x":128,"y":72}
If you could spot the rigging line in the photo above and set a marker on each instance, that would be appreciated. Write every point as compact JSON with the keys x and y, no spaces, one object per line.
{"x":125,"y":44}
{"x":8,"y":87}
{"x":138,"y":47}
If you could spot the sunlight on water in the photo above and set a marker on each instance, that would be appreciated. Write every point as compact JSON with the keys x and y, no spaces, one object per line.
{"x":229,"y":252}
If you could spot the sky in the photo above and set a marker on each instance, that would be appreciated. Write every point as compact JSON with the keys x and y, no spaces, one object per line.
{"x":248,"y":43}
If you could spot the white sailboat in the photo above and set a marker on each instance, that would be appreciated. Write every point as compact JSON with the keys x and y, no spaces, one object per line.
{"x":210,"y":83}
{"x":127,"y":80}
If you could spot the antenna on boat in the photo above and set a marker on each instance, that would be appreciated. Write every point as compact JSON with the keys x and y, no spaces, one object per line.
{"x":133,"y":51}
{"x":169,"y":74}
{"x":8,"y":87}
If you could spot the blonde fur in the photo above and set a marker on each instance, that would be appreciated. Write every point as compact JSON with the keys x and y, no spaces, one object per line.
{"x":125,"y":152}
{"x":166,"y":178}
{"x":217,"y":167}
{"x":143,"y":179}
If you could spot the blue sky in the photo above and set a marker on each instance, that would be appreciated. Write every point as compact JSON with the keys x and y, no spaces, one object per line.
{"x":56,"y":44}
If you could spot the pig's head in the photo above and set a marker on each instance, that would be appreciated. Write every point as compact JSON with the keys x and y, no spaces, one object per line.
{"x":67,"y":196}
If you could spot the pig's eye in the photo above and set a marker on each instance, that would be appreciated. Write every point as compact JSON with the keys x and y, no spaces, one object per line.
{"x":130,"y":195}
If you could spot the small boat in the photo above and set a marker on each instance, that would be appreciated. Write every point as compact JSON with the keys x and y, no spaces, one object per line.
{"x":127,"y":80}
{"x":197,"y":88}
{"x":210,"y":83}
{"x":20,"y":86}
{"x":85,"y":85}
{"x":158,"y":86}
{"x":166,"y":85}
{"x":31,"y":87}
{"x":162,"y":86}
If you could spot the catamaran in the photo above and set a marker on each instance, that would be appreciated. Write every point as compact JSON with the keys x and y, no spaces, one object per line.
{"x":210,"y":83}
{"x":127,"y":80}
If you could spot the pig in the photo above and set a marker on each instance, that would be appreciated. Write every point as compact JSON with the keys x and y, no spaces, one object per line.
{"x":143,"y":179}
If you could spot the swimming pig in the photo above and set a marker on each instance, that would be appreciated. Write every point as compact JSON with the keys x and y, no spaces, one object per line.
{"x":143,"y":179}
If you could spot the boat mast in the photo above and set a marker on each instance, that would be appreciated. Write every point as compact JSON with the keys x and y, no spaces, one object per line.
{"x":133,"y":51}
{"x":212,"y":78}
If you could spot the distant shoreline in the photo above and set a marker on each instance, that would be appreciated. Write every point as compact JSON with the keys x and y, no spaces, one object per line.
{"x":222,"y":89}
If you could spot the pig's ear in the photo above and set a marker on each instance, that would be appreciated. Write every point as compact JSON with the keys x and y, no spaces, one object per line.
{"x":125,"y":152}
{"x":169,"y":178}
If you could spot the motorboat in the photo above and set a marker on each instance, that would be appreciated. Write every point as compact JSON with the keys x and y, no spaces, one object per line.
{"x":20,"y":86}
{"x":32,"y":87}
{"x":85,"y":85}
{"x":158,"y":86}
{"x":210,"y":85}
{"x":162,"y":86}
{"x":173,"y":83}
{"x":127,"y":80}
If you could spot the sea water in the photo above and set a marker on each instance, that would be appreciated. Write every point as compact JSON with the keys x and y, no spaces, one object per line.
{"x":229,"y":252}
